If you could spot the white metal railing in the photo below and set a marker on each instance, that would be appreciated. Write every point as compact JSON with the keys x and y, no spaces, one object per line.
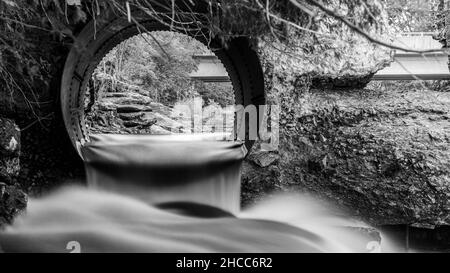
{"x":408,"y":34}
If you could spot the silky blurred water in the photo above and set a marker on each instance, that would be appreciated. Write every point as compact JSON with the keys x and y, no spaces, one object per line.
{"x":86,"y":220}
{"x":177,"y":194}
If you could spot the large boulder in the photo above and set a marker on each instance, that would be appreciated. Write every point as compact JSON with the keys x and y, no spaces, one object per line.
{"x":291,"y":68}
{"x":332,"y":55}
{"x":382,"y":153}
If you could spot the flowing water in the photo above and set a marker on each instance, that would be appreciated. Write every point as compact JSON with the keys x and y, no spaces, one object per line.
{"x":166,"y":194}
{"x":157,"y":169}
{"x":87,"y":220}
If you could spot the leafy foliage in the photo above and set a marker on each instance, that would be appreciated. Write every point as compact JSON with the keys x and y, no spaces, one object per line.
{"x":413,"y":16}
{"x":159,"y":71}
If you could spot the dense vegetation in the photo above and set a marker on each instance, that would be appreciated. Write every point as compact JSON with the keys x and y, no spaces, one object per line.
{"x":415,"y":16}
{"x":151,"y":70}
{"x":162,"y":71}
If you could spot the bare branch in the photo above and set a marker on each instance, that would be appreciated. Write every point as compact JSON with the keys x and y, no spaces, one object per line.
{"x":369,"y":37}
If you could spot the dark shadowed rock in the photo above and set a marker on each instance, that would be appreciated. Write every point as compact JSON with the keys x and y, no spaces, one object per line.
{"x":131,"y":116}
{"x":12,"y":201}
{"x":132,"y":123}
{"x":132,"y":108}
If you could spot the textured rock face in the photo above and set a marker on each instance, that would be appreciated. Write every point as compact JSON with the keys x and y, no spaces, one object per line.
{"x":9,"y":150}
{"x":291,"y":68}
{"x":130,"y":112}
{"x":382,"y":153}
{"x":319,"y":63}
{"x":12,"y":199}
{"x":333,"y":57}
{"x":260,"y":175}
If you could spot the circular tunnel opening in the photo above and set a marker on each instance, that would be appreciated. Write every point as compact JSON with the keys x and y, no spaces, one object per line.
{"x":164,"y":73}
{"x":161,"y":83}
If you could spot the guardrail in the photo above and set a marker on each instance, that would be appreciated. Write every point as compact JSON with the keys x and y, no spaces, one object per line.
{"x":406,"y":65}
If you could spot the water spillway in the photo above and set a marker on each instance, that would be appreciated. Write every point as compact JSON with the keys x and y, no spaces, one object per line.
{"x":173,"y":194}
{"x":161,"y":169}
